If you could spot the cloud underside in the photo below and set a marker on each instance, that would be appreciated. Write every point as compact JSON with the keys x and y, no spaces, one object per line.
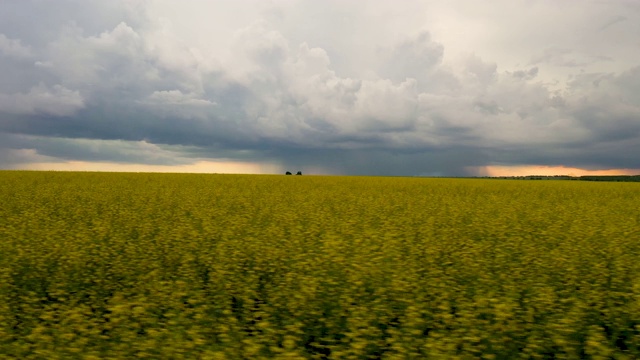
{"x":136,"y":93}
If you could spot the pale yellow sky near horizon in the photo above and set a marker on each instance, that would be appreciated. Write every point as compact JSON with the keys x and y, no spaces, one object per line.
{"x":225,"y":167}
{"x":551,"y":170}
{"x":231,"y":167}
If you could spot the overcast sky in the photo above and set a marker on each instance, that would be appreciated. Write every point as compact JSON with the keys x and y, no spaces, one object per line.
{"x":376,"y":87}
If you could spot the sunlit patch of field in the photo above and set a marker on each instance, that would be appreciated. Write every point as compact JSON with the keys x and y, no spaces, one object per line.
{"x":97,"y":265}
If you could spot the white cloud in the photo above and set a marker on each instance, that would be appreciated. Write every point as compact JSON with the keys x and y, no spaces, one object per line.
{"x":414,"y":58}
{"x":176,"y":97}
{"x":56,"y":101}
{"x":110,"y":59}
{"x":14,"y":48}
{"x":175,"y":104}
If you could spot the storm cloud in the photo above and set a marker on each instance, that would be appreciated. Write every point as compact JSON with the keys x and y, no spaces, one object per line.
{"x":432,"y":88}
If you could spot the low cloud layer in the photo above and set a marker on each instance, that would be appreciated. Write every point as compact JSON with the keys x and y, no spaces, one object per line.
{"x":351,"y":90}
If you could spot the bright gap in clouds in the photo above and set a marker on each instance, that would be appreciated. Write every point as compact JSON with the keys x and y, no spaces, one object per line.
{"x":526,"y":170}
{"x":208,"y":167}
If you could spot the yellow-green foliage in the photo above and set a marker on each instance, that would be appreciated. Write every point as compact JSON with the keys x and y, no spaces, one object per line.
{"x":97,"y":265}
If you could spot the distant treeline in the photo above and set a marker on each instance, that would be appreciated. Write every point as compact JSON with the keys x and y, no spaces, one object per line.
{"x":627,"y":178}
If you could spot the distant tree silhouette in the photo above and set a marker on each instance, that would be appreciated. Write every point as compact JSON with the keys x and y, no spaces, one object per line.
{"x":288,"y":173}
{"x":299,"y":173}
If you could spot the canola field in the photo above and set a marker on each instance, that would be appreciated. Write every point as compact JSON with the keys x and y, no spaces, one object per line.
{"x":178,"y":266}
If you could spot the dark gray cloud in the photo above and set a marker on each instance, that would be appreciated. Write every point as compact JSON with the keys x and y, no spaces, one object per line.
{"x":113,"y":82}
{"x":92,"y":150}
{"x":38,"y":22}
